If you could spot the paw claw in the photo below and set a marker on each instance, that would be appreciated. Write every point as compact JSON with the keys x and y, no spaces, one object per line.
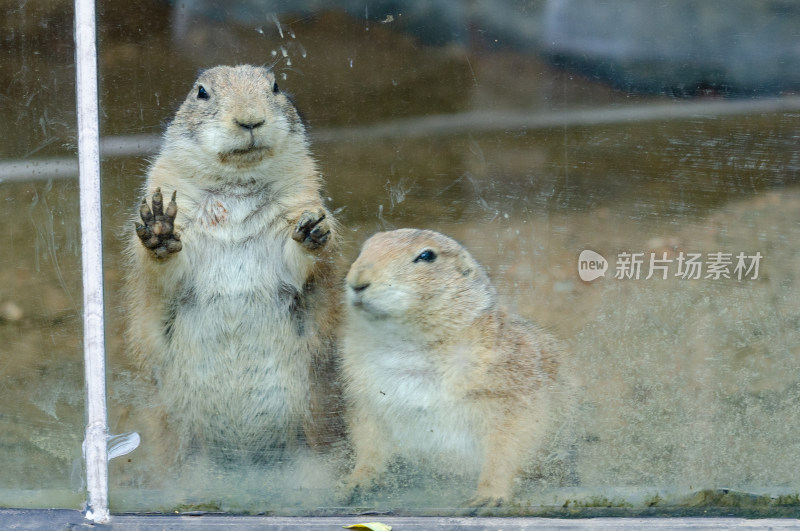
{"x":172,"y":208}
{"x":145,"y":213}
{"x":158,"y":204}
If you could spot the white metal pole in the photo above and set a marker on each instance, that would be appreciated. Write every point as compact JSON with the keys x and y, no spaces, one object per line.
{"x":95,"y":449}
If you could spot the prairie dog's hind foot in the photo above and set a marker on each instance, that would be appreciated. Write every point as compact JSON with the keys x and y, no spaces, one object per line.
{"x":312,"y":229}
{"x":357,"y":487}
{"x":157,"y":230}
{"x":480,"y":501}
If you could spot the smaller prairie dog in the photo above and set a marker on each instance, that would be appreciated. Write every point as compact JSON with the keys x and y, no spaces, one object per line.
{"x":432,"y":365}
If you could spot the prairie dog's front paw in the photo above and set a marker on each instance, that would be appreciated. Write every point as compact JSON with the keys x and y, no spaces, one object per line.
{"x":312,"y":229}
{"x":157,"y":230}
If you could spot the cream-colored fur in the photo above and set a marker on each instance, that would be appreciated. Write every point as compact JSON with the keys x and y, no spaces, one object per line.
{"x":234,"y":327}
{"x":433,"y":367}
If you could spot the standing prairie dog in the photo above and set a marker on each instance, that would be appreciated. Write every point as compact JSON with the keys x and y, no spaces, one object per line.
{"x":229,"y":294}
{"x":432,"y":365}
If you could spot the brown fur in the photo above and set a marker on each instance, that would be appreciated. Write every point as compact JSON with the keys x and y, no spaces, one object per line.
{"x":432,"y":365}
{"x":234,"y":329}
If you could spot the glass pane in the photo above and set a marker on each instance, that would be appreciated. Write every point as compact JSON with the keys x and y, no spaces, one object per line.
{"x":529,"y":132}
{"x":41,"y":372}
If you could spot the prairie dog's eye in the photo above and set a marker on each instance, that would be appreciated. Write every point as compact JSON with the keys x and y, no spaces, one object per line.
{"x":426,"y":256}
{"x":201,"y":93}
{"x":275,"y":87}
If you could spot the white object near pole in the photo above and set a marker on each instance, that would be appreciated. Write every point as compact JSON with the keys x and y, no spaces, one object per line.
{"x":94,"y":446}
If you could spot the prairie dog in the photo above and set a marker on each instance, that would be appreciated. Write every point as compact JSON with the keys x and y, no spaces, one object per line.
{"x":229,"y":298}
{"x":432,"y":365}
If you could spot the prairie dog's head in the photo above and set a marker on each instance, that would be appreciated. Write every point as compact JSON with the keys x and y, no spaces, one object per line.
{"x":235,"y":116}
{"x":417,"y":277}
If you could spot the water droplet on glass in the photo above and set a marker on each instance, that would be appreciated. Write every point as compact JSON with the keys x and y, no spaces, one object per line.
{"x":277,"y":23}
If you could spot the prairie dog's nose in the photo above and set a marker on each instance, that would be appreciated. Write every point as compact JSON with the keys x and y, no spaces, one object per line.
{"x":358,"y":288}
{"x":357,"y":279}
{"x":249,"y":124}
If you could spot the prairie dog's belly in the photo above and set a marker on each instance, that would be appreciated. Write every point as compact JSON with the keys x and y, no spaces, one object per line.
{"x":236,"y":362}
{"x":422,"y":415}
